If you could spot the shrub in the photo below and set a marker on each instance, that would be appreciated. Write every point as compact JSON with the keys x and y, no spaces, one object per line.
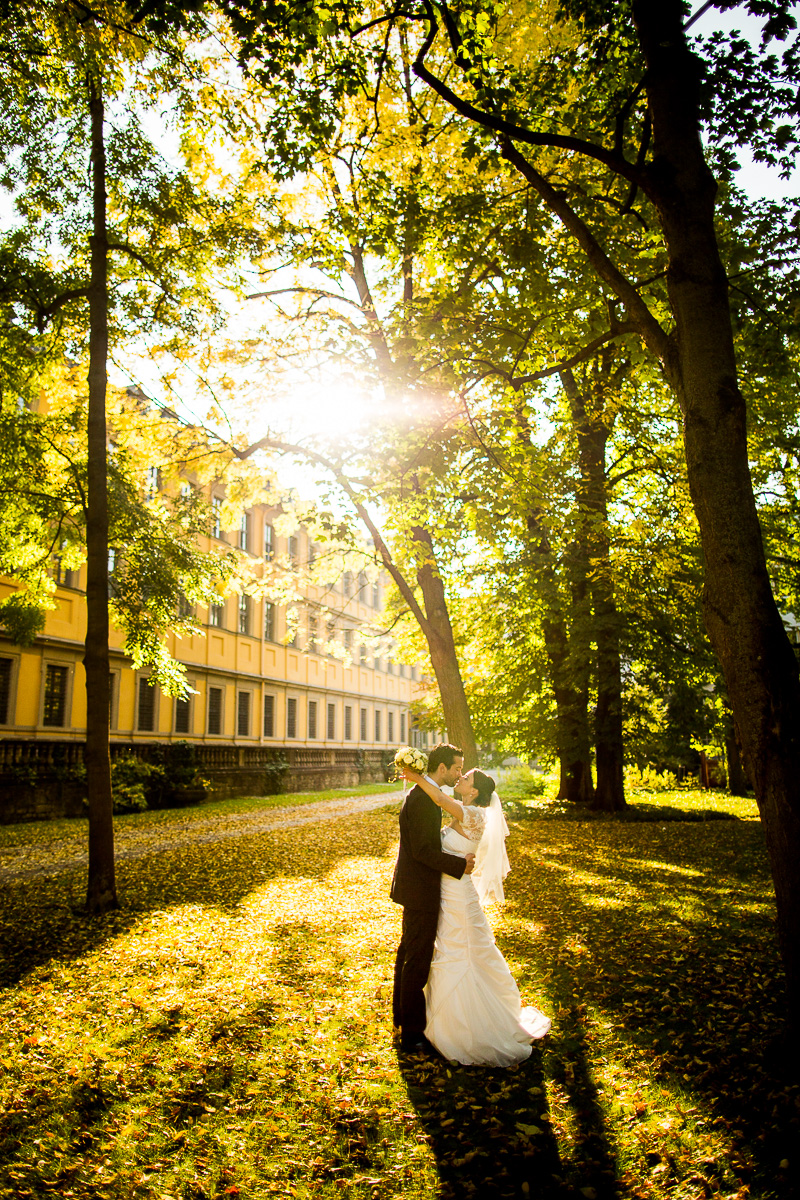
{"x":519,"y":783}
{"x":648,"y":779}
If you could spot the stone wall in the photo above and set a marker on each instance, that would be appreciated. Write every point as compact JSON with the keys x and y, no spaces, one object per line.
{"x":42,"y":780}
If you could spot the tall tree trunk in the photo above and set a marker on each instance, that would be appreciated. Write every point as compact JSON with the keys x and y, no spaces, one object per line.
{"x":101,"y":892}
{"x":441,"y":643}
{"x":743,"y":621}
{"x":737,"y":780}
{"x":570,"y":690}
{"x":592,"y":431}
{"x":567,"y":654}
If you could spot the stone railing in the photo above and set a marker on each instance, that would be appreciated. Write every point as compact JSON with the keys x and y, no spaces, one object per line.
{"x":44,"y":779}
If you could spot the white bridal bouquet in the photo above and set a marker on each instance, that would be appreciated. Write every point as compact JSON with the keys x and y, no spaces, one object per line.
{"x":407,"y":756}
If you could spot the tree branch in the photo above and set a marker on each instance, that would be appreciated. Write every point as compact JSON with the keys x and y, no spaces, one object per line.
{"x":616,"y":162}
{"x":645,"y":324}
{"x":346,"y":486}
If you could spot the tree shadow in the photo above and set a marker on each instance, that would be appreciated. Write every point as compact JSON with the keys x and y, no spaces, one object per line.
{"x":668,"y":935}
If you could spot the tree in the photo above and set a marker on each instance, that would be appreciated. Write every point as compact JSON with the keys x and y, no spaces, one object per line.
{"x":601,"y":110}
{"x":61,"y":292}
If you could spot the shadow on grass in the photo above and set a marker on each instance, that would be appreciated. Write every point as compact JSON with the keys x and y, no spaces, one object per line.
{"x":41,"y":919}
{"x":666,"y":937}
{"x":494,"y":1125}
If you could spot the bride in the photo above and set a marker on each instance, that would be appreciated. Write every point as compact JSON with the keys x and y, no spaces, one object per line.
{"x":474,"y":1012}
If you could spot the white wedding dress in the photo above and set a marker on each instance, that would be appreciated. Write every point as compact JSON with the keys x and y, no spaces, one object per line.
{"x":473,"y":1006}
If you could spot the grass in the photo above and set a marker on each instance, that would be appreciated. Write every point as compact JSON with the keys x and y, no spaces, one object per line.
{"x":227,"y":1033}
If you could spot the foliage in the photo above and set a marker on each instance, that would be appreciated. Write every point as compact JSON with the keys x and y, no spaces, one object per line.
{"x":167,"y":776}
{"x":648,"y":779}
{"x":230,"y":1032}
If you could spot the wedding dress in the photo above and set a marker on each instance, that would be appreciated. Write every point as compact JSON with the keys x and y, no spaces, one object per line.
{"x":474,"y":1012}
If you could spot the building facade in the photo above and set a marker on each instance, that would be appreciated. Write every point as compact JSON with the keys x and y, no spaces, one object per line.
{"x":309,"y":675}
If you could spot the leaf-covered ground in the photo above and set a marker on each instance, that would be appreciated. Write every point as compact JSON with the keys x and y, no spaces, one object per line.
{"x":228,"y":1032}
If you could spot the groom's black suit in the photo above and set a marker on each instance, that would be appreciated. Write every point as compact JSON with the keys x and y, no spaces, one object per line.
{"x":420,"y":864}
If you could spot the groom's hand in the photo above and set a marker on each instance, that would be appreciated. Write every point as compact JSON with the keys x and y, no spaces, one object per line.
{"x":470,"y":864}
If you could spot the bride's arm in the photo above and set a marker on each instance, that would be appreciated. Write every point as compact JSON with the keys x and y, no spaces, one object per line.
{"x":448,"y":803}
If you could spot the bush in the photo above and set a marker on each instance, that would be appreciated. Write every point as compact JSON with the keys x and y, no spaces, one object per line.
{"x":519,"y":783}
{"x":648,"y":779}
{"x":275,"y":773}
{"x":130,"y":778}
{"x":168,"y":778}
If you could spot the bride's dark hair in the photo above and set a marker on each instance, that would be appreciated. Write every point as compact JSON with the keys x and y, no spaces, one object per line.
{"x":485,"y":785}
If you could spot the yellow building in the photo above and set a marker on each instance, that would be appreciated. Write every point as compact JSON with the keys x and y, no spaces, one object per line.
{"x":297,"y":676}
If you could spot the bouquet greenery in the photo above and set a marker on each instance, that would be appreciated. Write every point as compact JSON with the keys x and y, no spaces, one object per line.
{"x":407,"y":756}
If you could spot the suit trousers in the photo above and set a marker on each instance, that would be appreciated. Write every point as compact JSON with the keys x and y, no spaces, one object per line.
{"x":411,"y":969}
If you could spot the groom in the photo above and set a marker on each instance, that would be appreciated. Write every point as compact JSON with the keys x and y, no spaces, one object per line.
{"x":420,"y":863}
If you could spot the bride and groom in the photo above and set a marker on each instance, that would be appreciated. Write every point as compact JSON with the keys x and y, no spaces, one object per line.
{"x":453,"y":990}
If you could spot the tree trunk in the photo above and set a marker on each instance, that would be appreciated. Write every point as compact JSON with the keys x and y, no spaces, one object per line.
{"x":572,"y":717}
{"x":737,"y":780}
{"x":592,"y":430}
{"x":101,"y":892}
{"x":743,"y":621}
{"x":567,"y":656}
{"x":441,"y":644}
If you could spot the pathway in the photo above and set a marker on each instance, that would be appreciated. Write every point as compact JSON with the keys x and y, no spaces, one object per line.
{"x":38,"y":858}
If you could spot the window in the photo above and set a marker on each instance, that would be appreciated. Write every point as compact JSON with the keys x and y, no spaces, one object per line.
{"x":312,"y":553}
{"x":216,"y":615}
{"x":292,"y":550}
{"x":216,"y":517}
{"x":63,"y":576}
{"x":215,"y":710}
{"x":331,"y":721}
{"x":269,"y":716}
{"x":377,"y":726}
{"x":244,"y":532}
{"x":348,"y":641}
{"x":390,"y":731}
{"x":184,"y":608}
{"x":186,"y":490}
{"x":313,"y":630}
{"x":292,"y":628}
{"x":113,"y":692}
{"x":363,"y":726}
{"x":243,"y":714}
{"x":312,"y":719}
{"x":183,"y":712}
{"x":403,"y":728}
{"x":347,"y":584}
{"x":376,"y":594}
{"x":362,"y":654}
{"x":151,"y":483}
{"x":414,"y":673}
{"x":291,"y":718}
{"x":269,"y":541}
{"x":390,"y":669}
{"x":244,"y":613}
{"x":362,"y":584}
{"x":269,"y":620}
{"x":348,"y":723}
{"x":330,"y":632}
{"x":147,"y":707}
{"x":112,"y":563}
{"x":5,"y":690}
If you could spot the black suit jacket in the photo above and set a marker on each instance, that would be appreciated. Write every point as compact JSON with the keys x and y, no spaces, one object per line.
{"x":421,"y":860}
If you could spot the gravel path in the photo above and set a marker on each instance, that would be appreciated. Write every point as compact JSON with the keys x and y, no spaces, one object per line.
{"x":36,"y":859}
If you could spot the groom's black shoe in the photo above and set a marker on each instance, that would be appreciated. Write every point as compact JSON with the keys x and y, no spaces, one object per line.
{"x":416,"y":1044}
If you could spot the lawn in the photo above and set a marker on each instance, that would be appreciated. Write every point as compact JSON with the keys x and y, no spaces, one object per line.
{"x":227,"y":1033}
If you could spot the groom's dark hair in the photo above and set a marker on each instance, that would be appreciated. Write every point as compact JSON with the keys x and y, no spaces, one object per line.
{"x":443,"y":753}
